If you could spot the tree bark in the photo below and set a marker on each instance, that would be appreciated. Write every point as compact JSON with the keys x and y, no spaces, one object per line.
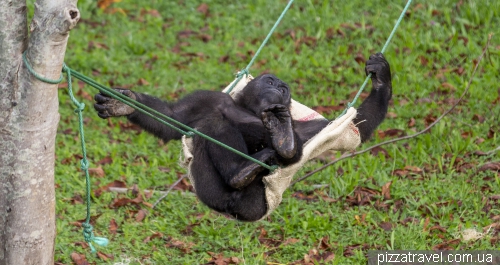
{"x":28,"y":123}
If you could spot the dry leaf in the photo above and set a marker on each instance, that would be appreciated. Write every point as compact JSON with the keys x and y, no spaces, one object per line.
{"x":203,"y":8}
{"x":79,"y":259}
{"x":97,"y":172}
{"x":113,"y":226}
{"x":141,"y":214}
{"x":386,"y":190}
{"x":103,"y":4}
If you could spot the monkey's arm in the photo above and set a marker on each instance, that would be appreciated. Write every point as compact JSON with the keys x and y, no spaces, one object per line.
{"x":374,"y":108}
{"x":108,"y":107}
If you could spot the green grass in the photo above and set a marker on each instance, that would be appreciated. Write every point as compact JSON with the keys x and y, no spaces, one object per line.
{"x":314,"y":50}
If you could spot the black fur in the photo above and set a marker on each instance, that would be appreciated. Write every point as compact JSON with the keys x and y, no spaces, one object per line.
{"x":257,"y":123}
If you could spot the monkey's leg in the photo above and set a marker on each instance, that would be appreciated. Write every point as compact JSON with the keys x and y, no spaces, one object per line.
{"x":236,"y":170}
{"x":248,"y":173}
{"x":278,"y":122}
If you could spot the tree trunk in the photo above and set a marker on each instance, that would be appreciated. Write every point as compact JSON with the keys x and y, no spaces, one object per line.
{"x":28,"y":123}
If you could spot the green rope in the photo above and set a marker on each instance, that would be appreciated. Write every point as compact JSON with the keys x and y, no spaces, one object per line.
{"x":245,"y":71}
{"x":160,"y":117}
{"x":88,"y":233}
{"x":350,"y":104}
{"x":39,"y":77}
{"x":88,"y":229}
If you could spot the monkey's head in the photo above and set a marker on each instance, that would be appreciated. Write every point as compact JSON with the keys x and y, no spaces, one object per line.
{"x":263,"y":91}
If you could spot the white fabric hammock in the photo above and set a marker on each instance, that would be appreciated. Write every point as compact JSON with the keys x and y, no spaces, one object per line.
{"x":340,"y":135}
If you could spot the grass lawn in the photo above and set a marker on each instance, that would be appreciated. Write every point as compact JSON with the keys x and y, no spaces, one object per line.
{"x":420,"y":194}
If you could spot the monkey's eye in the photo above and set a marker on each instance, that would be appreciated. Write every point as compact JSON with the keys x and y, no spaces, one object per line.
{"x":269,"y":82}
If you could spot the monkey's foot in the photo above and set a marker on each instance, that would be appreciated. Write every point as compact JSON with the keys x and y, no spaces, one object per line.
{"x":278,"y":121}
{"x":248,"y":173}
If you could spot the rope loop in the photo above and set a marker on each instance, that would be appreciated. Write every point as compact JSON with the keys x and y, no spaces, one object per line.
{"x":39,"y":77}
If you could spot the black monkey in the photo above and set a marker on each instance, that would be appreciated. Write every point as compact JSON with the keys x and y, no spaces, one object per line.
{"x":257,"y":122}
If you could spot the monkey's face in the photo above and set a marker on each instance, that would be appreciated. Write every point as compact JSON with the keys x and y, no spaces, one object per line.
{"x":263,"y":91}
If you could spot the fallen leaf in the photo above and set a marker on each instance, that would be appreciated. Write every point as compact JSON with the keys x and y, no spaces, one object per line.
{"x":409,"y":220}
{"x":119,"y":202}
{"x":426,"y":223}
{"x":478,"y":118}
{"x":76,"y":199}
{"x":375,"y":151}
{"x":386,"y":190}
{"x":103,"y":4}
{"x":113,"y":226}
{"x":183,"y":246}
{"x":114,"y":184}
{"x":391,"y":115}
{"x":411,"y":123}
{"x":92,"y":221}
{"x":437,"y":227}
{"x":400,"y":172}
{"x":105,"y":161}
{"x":151,"y":12}
{"x":97,"y":172}
{"x":414,"y":169}
{"x":153,"y":236}
{"x":141,"y":214}
{"x":142,"y":82}
{"x":491,"y":133}
{"x":494,"y":166}
{"x":203,"y":8}
{"x":360,"y":59}
{"x":447,"y":245}
{"x":430,"y":119}
{"x":103,"y":256}
{"x":290,"y":241}
{"x":387,"y":226}
{"x":324,"y":245}
{"x":391,"y":133}
{"x":82,"y":244}
{"x":447,"y":88}
{"x":79,"y":259}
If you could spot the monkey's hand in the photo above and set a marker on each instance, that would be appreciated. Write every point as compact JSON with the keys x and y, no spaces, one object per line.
{"x":109,"y":107}
{"x":278,"y":121}
{"x":378,"y":66}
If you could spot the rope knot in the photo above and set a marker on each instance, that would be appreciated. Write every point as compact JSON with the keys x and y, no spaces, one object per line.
{"x":84,"y":164}
{"x":88,"y":233}
{"x":242,"y":72}
{"x":65,"y":68}
{"x":89,"y":237}
{"x":80,"y":106}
